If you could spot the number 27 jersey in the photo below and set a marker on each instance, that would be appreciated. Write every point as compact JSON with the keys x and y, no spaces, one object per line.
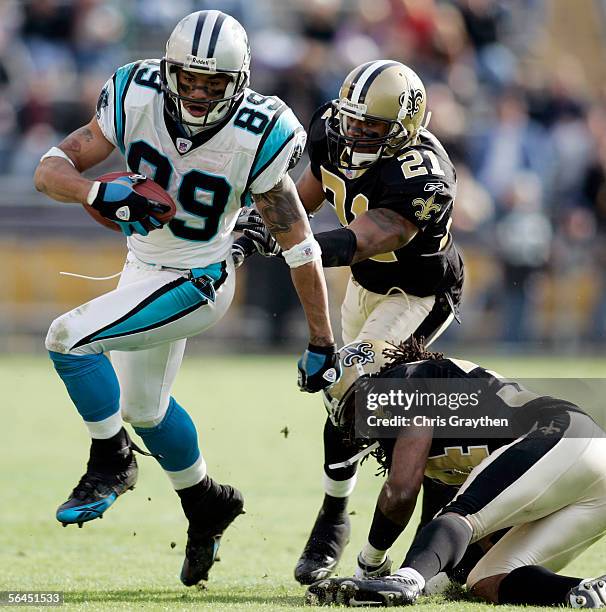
{"x":210,"y":174}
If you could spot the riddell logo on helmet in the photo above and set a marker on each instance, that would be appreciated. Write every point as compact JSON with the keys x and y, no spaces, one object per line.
{"x":352,"y":107}
{"x":207,"y":63}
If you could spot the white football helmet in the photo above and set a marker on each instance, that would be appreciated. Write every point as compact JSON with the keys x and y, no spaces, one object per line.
{"x":209,"y":42}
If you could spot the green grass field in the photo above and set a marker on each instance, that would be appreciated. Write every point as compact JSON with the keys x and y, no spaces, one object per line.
{"x":129,"y":560}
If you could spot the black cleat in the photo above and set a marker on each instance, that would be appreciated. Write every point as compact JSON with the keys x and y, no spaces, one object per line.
{"x":590,"y":593}
{"x":324,"y":547}
{"x":204,"y":533}
{"x":107,"y":477}
{"x":353,"y":592}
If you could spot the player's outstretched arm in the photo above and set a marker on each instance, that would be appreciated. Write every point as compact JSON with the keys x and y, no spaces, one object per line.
{"x":58,"y":175}
{"x":310,"y":191}
{"x":285,"y":218}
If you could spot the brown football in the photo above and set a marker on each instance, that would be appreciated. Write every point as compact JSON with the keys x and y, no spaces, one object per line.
{"x":147,"y":188}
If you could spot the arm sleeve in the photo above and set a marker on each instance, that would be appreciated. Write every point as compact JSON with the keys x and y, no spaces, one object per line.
{"x":111,"y":105}
{"x":423,"y":202}
{"x":279,"y":150}
{"x":105,"y":112}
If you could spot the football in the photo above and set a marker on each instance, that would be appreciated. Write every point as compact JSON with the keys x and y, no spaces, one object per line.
{"x":146,"y":188}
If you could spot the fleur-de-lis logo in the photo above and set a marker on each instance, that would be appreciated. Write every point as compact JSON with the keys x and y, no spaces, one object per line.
{"x":413,"y":101}
{"x":426,"y":207}
{"x":357,"y":353}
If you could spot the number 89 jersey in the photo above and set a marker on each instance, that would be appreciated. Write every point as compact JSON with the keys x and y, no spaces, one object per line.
{"x":210,"y":174}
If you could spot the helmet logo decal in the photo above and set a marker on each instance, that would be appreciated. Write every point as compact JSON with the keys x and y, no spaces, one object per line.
{"x":426,"y":207}
{"x":359,"y":354}
{"x":354,"y":108}
{"x":411,"y":101}
{"x":204,"y":63}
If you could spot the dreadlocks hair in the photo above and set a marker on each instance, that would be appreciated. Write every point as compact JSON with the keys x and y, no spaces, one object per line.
{"x":412,"y":349}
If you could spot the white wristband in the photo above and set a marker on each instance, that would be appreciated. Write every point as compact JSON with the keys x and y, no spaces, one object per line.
{"x":92,"y":194}
{"x":57,"y":152}
{"x":302,"y":253}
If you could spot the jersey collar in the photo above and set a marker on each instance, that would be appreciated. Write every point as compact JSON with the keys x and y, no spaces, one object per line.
{"x":184,"y":142}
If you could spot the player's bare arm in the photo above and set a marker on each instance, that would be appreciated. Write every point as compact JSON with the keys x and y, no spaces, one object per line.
{"x":399,"y":493}
{"x":380,"y":231}
{"x":285,"y":218}
{"x":57,"y":178}
{"x":310,"y":191}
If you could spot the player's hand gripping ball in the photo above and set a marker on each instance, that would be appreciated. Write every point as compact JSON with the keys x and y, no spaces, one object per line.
{"x":131,"y":203}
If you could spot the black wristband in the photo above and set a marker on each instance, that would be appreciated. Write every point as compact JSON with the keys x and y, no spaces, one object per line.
{"x":322,"y":350}
{"x":338,"y":247}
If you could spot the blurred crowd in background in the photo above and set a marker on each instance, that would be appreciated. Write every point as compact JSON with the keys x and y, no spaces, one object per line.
{"x":517,"y":97}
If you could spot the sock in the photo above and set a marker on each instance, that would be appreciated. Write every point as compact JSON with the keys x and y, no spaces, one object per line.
{"x":111,"y":454}
{"x":93,"y":386}
{"x":439,"y":546}
{"x":371,"y":555}
{"x":174,"y":440}
{"x":535,"y":585}
{"x":334,"y":507}
{"x":383,"y":531}
{"x":192,"y":497}
{"x":412,"y":574}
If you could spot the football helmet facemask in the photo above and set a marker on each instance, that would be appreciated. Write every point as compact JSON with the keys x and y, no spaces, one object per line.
{"x":386,"y":92}
{"x":207,"y":42}
{"x":359,"y":360}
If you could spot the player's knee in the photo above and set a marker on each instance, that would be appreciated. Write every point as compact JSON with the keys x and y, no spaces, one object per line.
{"x":485,"y":588}
{"x":58,"y":336}
{"x":140,"y":410}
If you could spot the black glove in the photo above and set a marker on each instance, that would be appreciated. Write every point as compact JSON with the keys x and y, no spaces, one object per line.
{"x":250,"y":223}
{"x":120,"y":203}
{"x":319,"y":367}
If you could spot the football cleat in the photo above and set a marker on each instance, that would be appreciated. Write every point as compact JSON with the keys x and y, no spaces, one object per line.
{"x":590,"y":593}
{"x":354,"y":592}
{"x":365,"y":570}
{"x":203,"y":539}
{"x":99,"y":487}
{"x":323,"y":549}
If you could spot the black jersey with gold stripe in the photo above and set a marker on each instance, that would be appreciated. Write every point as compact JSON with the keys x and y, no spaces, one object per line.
{"x":419,"y":184}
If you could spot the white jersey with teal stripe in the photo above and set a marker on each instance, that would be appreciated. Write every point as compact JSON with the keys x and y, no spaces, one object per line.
{"x":210,"y":175}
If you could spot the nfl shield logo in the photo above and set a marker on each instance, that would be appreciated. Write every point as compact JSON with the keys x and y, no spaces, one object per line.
{"x":183,"y":145}
{"x":349,"y":173}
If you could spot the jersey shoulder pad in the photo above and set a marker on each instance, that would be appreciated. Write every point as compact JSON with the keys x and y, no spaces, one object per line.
{"x":131,"y":86}
{"x":317,"y":142}
{"x":279,"y":135}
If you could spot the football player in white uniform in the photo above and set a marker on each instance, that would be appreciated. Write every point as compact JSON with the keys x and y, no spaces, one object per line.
{"x":526,"y":505}
{"x":190,"y":123}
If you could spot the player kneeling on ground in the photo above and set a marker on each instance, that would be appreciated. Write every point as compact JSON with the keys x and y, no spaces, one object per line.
{"x":526,"y":507}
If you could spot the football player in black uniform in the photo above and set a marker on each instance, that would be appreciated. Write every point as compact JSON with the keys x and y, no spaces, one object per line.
{"x":526,"y":508}
{"x":392,"y":186}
